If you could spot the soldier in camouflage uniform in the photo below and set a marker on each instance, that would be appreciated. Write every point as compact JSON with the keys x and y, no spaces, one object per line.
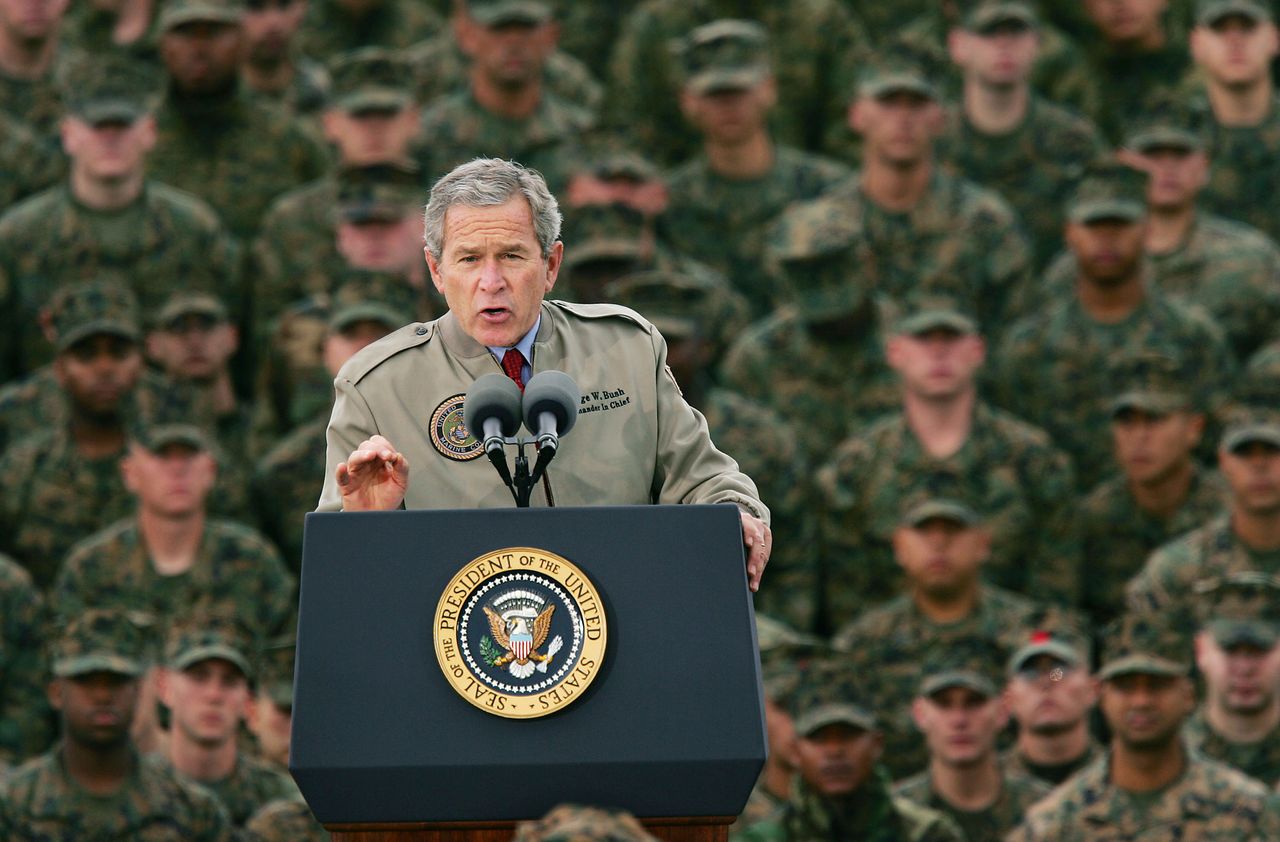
{"x":1234,"y":45}
{"x":947,"y":615}
{"x":24,"y":710}
{"x":507,"y":110}
{"x":1023,"y":486}
{"x":904,"y":226}
{"x":270,"y":711}
{"x":340,"y":26}
{"x":1241,"y":539}
{"x":842,"y":790}
{"x":286,"y":820}
{"x":94,"y":784}
{"x":1004,"y":135}
{"x":1150,"y":785}
{"x":1051,"y":695}
{"x":170,"y":559}
{"x":109,"y":216}
{"x":961,"y":713}
{"x":571,"y":823}
{"x":205,"y":683}
{"x":214,"y":140}
{"x":814,"y":46}
{"x":723,"y":199}
{"x":28,"y":164}
{"x":1161,"y":490}
{"x":273,"y":67}
{"x":1058,"y":368}
{"x":33,"y":57}
{"x":1238,"y":654}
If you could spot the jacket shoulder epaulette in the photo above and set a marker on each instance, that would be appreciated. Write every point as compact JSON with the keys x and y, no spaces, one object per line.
{"x":376,"y":353}
{"x":603,"y":311}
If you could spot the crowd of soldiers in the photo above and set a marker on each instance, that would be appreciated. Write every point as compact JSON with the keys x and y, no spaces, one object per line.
{"x":984,"y":294}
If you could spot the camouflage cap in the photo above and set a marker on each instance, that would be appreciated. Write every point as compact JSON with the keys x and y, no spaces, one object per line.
{"x":364,"y":296}
{"x":191,"y":303}
{"x":725,"y":55}
{"x":1144,"y":644}
{"x":275,"y":670}
{"x":504,"y":12}
{"x":986,"y":15}
{"x":937,"y":681}
{"x":1150,"y":382}
{"x":922,"y":508}
{"x":95,"y":307}
{"x":1165,"y":123}
{"x":379,"y":192}
{"x":372,"y":79}
{"x":783,"y":654}
{"x":827,"y":693}
{"x":888,"y":74}
{"x":613,"y":163}
{"x":1260,"y":383}
{"x":101,"y":640}
{"x":1209,"y":12}
{"x":921,"y":314}
{"x":175,"y":13}
{"x":106,"y":88}
{"x":1045,"y":643}
{"x":202,"y":637}
{"x":574,"y":823}
{"x":1108,"y":191}
{"x":156,"y":437}
{"x":680,"y":306}
{"x":1248,"y":424}
{"x":1244,"y":608}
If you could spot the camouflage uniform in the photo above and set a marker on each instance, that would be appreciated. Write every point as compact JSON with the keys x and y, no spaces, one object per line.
{"x":1017,"y":794}
{"x":38,"y":103}
{"x":93,"y":30}
{"x":1260,"y":760}
{"x":571,"y":823}
{"x":24,"y":708}
{"x":286,"y":484}
{"x":814,"y":46}
{"x":1010,"y":471}
{"x":28,"y":164}
{"x":286,"y":820}
{"x":1129,"y":80}
{"x":305,"y":95}
{"x":589,"y":29}
{"x":1244,"y":171}
{"x":1013,"y":763}
{"x":251,"y":785}
{"x":330,"y":29}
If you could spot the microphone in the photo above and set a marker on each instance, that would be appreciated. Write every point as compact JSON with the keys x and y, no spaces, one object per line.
{"x":491,"y":412}
{"x":551,"y":401}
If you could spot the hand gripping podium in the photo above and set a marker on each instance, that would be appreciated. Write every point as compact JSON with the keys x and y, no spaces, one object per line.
{"x":668,"y":724}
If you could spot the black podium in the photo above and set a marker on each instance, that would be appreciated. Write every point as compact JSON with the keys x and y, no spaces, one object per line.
{"x":671,"y":727}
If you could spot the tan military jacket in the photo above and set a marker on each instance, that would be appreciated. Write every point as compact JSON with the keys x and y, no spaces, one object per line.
{"x":636,"y":440}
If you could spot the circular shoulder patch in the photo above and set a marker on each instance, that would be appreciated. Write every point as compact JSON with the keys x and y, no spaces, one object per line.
{"x":520,"y":633}
{"x":449,"y":434}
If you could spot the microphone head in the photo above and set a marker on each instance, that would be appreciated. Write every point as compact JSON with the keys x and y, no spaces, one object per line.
{"x":554,"y":392}
{"x":492,"y":396}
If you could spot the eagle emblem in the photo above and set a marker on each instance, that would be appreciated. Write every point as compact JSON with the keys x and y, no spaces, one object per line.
{"x":520,"y":624}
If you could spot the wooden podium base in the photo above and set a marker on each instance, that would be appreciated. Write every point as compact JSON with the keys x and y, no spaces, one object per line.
{"x":699,"y":829}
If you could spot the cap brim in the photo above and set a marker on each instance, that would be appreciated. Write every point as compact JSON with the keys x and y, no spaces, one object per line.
{"x":1053,"y":648}
{"x":107,"y":326}
{"x":374,"y":212}
{"x":604,"y":249}
{"x":500,"y":14}
{"x":100,"y":662}
{"x":716,"y":81}
{"x":171,"y":19}
{"x":1259,"y":633}
{"x":1112,"y":209}
{"x":1216,"y":12}
{"x":923,"y":322}
{"x":206,"y":653}
{"x":212,"y":309}
{"x":348,"y":316}
{"x":940,"y":510}
{"x":889,"y":85}
{"x":987,"y":19}
{"x":1154,"y":403}
{"x":979,"y":685}
{"x":1142,"y":665}
{"x":1164,"y":138}
{"x":812,"y":721}
{"x":371,"y":100}
{"x":1237,"y":437}
{"x":110,"y":112}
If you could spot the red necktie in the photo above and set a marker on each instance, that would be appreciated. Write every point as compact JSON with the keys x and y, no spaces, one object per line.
{"x":513,"y":364}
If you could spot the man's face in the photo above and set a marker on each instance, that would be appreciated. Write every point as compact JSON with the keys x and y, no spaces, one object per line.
{"x":1151,"y":448}
{"x":1127,"y":21}
{"x":837,"y":759}
{"x":109,"y":151}
{"x":340,"y":346}
{"x":1176,"y":176}
{"x":98,"y":372}
{"x":1049,"y":697}
{"x":1235,"y":51}
{"x":1253,"y":472}
{"x":960,"y":725}
{"x":937,"y":365}
{"x":940,"y":556}
{"x":1243,"y":679}
{"x":208,"y":699}
{"x":731,"y":116}
{"x":509,"y":56}
{"x":31,"y":22}
{"x":999,"y":59}
{"x":172,"y":481}
{"x":371,"y":137}
{"x":491,"y":270}
{"x":381,"y":245}
{"x":1108,"y":252}
{"x":780,"y":729}
{"x":897,"y":128}
{"x":1145,"y":712}
{"x":272,"y":726}
{"x":195,"y":346}
{"x":269,"y":29}
{"x":97,"y":708}
{"x":202,"y":57}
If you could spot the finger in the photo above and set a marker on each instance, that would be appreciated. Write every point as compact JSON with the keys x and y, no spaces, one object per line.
{"x":343,"y":475}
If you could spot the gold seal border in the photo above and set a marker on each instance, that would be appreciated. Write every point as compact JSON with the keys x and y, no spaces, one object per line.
{"x":475,"y":574}
{"x":453,"y":403}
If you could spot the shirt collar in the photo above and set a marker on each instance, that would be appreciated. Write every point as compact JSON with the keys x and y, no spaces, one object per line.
{"x":524,"y":346}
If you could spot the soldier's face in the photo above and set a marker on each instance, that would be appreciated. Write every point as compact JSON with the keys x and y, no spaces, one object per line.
{"x":372,"y":137}
{"x":108,"y":152}
{"x":1151,"y":448}
{"x":1235,"y":51}
{"x":780,"y":729}
{"x":837,"y":759}
{"x":1253,"y":472}
{"x":202,"y":57}
{"x":897,"y":128}
{"x":940,"y":556}
{"x":731,"y":116}
{"x":1176,"y":176}
{"x":508,"y":56}
{"x":31,"y":21}
{"x":194,"y":347}
{"x":97,"y":708}
{"x":342,"y":345}
{"x":960,"y":725}
{"x":491,"y":271}
{"x":936,"y":365}
{"x":1128,"y":21}
{"x":272,"y":726}
{"x":1145,"y":712}
{"x":1048,"y":697}
{"x":208,"y":699}
{"x":1108,"y":252}
{"x":172,"y":482}
{"x":1244,"y":679}
{"x":382,"y":245}
{"x":98,"y":372}
{"x":269,"y":28}
{"x":999,"y":59}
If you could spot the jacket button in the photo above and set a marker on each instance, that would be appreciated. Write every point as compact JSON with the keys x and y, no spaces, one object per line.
{"x":422,"y":330}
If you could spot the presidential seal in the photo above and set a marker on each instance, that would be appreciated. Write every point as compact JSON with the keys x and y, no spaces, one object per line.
{"x":449,"y":434}
{"x":520,"y":633}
